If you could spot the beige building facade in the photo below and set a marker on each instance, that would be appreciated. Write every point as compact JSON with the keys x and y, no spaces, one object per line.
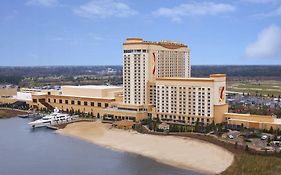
{"x":188,"y":100}
{"x":91,"y":100}
{"x":253,"y":121}
{"x":144,"y":61}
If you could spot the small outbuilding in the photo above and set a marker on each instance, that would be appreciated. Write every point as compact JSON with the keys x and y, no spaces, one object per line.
{"x":164,"y":126}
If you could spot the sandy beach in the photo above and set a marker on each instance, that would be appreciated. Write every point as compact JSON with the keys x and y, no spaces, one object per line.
{"x":176,"y":151}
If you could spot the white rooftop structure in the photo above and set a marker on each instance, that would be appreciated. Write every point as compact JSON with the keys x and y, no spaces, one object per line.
{"x":92,"y":91}
{"x":99,"y":87}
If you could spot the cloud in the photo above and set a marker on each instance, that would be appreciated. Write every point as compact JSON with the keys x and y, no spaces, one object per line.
{"x":45,"y":3}
{"x":276,"y":12}
{"x":261,"y":1}
{"x":194,"y":9}
{"x":267,"y":45}
{"x":104,"y":9}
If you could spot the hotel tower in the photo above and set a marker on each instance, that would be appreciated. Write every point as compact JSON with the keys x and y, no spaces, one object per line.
{"x":144,"y":62}
{"x":157,"y":74}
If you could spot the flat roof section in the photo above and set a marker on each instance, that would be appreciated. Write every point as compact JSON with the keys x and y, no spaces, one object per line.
{"x":164,"y":43}
{"x":184,"y":79}
{"x":98,"y":87}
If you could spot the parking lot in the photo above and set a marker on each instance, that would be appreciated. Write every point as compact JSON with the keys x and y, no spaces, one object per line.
{"x":258,"y":141}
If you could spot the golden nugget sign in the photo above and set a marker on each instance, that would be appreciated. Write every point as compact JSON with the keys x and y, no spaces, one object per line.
{"x":222,"y":93}
{"x":154,"y":64}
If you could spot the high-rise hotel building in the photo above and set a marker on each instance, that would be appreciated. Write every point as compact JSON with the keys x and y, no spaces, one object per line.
{"x":144,"y":62}
{"x":158,"y":74}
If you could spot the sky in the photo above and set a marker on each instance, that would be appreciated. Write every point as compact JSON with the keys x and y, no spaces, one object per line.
{"x":91,"y":32}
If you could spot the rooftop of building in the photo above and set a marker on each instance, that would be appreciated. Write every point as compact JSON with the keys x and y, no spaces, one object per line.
{"x":95,"y":87}
{"x":217,"y":75}
{"x":210,"y":78}
{"x":115,"y":109}
{"x":275,"y":121}
{"x":164,"y":43}
{"x":83,"y":97}
{"x":184,"y":79}
{"x":246,"y":115}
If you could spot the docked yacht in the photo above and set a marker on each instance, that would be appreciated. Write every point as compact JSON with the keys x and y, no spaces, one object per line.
{"x":54,"y":118}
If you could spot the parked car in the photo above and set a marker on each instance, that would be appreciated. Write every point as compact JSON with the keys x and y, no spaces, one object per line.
{"x":230,"y":136}
{"x":264,"y":137}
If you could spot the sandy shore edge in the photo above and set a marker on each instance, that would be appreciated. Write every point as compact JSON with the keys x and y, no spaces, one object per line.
{"x":196,"y":155}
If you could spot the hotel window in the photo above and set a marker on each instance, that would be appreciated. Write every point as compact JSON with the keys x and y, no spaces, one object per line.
{"x":72,"y":102}
{"x":85,"y":103}
{"x":66,"y":101}
{"x":49,"y":100}
{"x":55,"y":100}
{"x":99,"y":104}
{"x":60,"y":100}
{"x":78,"y":102}
{"x":92,"y":104}
{"x":106,"y":105}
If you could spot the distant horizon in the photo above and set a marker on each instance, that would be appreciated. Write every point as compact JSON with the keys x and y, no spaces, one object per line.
{"x":107,"y":65}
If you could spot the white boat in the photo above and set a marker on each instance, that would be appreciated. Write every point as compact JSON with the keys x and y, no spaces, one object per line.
{"x":54,"y":118}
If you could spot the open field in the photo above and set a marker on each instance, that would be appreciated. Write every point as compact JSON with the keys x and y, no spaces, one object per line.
{"x":264,"y":87}
{"x":254,"y":164}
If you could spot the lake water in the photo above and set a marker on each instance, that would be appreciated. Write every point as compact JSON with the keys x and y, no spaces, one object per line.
{"x":27,"y":151}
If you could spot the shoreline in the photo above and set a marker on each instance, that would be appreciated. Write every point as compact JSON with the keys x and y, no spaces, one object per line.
{"x":9,"y":113}
{"x":169,"y":163}
{"x":184,"y":153}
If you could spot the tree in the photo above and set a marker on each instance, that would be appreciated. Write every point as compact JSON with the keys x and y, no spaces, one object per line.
{"x":196,"y":126}
{"x":271,"y":130}
{"x":268,"y":140}
{"x":213,"y":126}
{"x":242,"y":127}
{"x":246,"y":148}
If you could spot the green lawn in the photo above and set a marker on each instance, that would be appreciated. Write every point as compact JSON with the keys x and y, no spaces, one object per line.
{"x":271,"y":87}
{"x":7,"y":113}
{"x":246,"y":164}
